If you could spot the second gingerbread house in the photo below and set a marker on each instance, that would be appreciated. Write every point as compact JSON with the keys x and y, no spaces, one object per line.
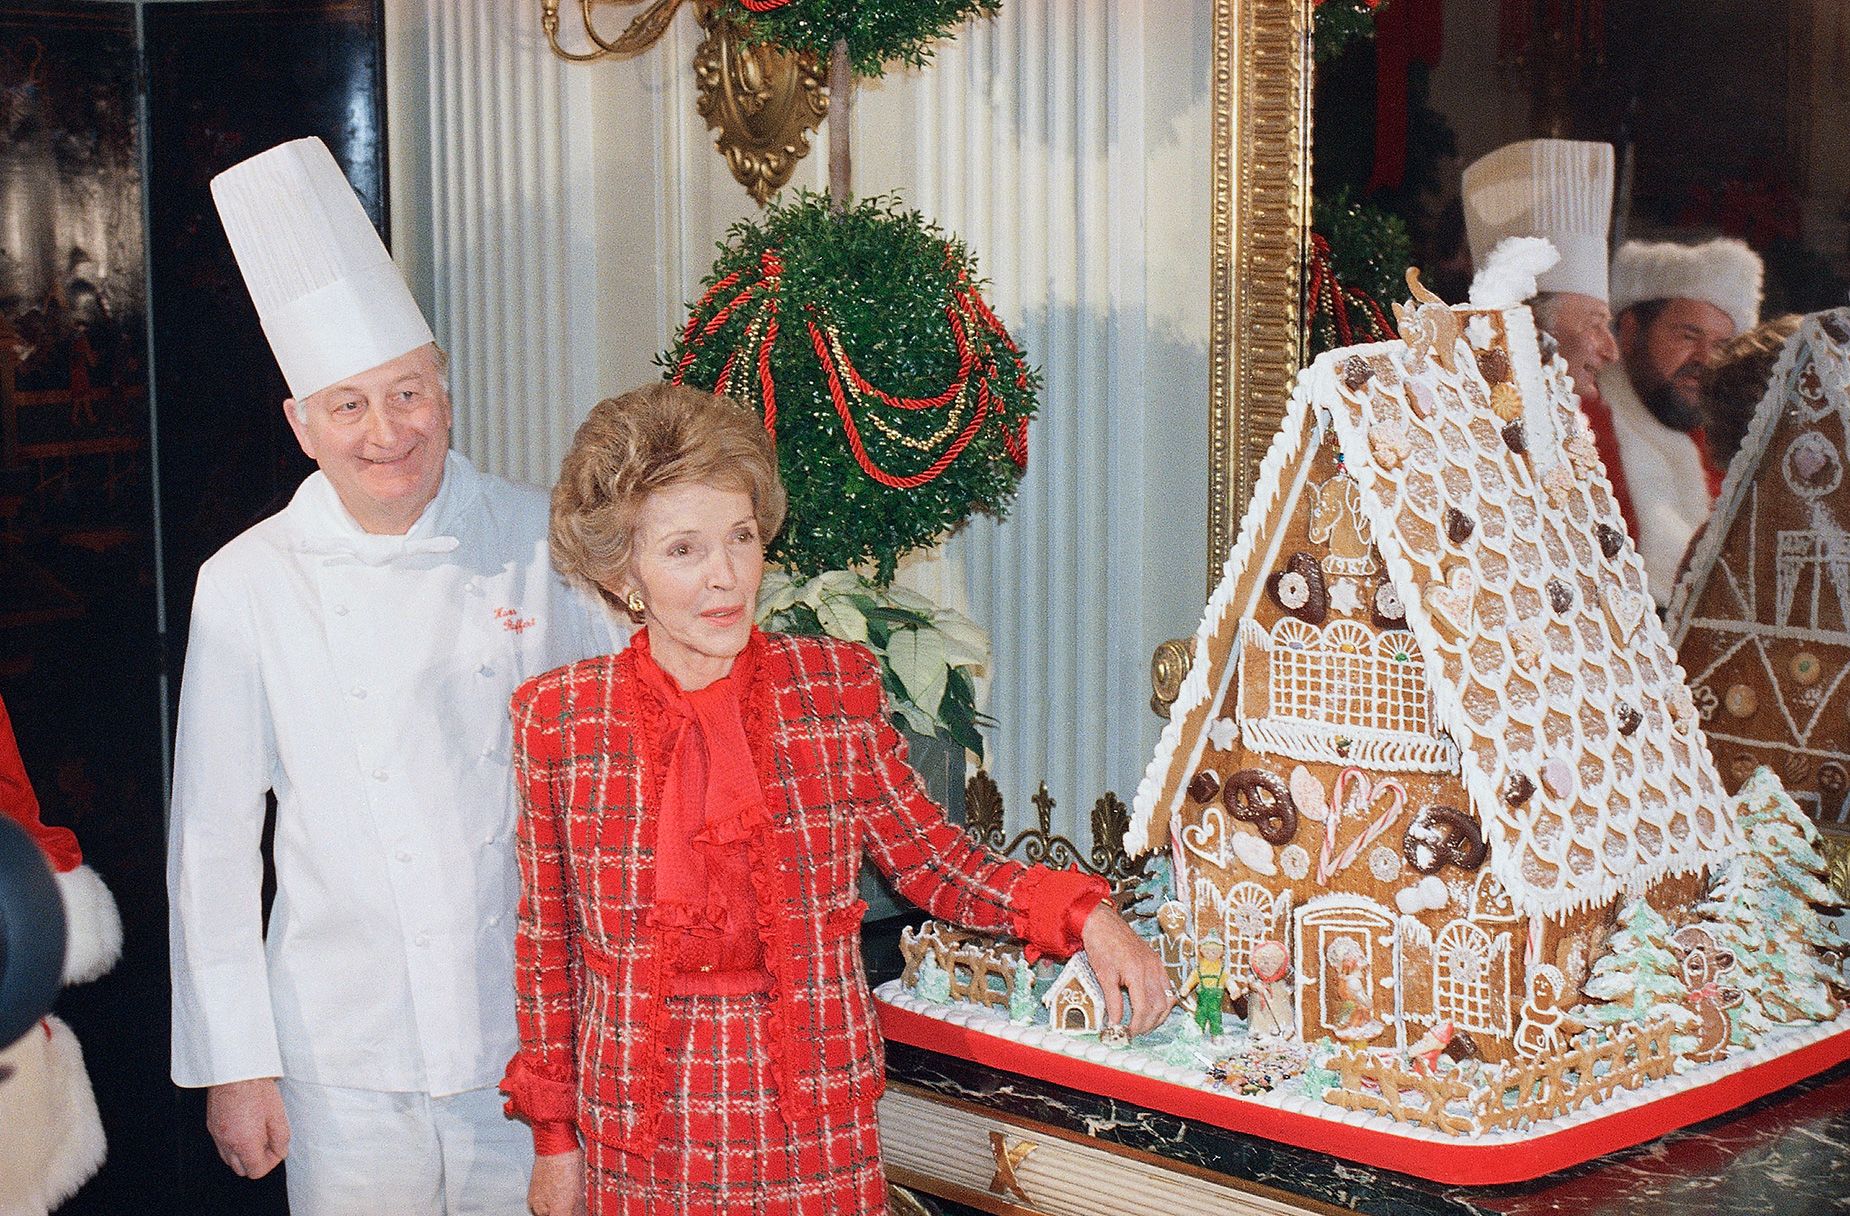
{"x":1761,"y":615}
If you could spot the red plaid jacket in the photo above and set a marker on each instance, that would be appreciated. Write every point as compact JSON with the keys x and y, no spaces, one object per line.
{"x":591,"y":749}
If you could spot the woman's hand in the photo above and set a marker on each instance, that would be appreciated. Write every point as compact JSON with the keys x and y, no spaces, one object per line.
{"x":1124,"y":963}
{"x":558,"y":1186}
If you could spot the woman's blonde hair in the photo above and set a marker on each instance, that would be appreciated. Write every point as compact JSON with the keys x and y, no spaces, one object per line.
{"x":649,"y":439}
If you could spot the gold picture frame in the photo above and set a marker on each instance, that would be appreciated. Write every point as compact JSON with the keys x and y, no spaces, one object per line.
{"x":1258,"y":241}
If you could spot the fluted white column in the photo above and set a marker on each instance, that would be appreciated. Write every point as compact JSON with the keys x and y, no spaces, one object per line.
{"x":511,"y":254}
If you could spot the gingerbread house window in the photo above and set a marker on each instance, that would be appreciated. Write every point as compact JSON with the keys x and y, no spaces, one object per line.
{"x":1340,"y":694}
{"x":1814,"y":580}
{"x":1245,"y":916}
{"x":1471,"y":978}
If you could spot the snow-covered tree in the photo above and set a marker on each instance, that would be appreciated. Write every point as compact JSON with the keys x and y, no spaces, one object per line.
{"x":1022,"y":1005}
{"x":1782,"y":884}
{"x":1639,"y":977}
{"x":1730,"y":917}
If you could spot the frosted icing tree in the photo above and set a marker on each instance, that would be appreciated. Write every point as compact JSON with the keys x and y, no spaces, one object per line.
{"x":1731,"y":918}
{"x":1022,"y":1005}
{"x":1782,"y":884}
{"x":1640,"y":977}
{"x":934,"y":982}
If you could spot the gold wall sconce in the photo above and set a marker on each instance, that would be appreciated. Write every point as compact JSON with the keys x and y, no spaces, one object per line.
{"x":761,"y":102}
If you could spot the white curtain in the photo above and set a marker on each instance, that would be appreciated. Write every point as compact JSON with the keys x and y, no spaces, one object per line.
{"x":574,"y":208}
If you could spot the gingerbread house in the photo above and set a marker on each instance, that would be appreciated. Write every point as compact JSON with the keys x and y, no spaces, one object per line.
{"x":1433,"y":730}
{"x":1761,"y":614}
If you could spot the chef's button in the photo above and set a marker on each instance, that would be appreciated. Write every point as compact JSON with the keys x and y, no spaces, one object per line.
{"x":488,"y":751}
{"x":358,"y":694}
{"x":486,"y":671}
{"x":340,"y":610}
{"x":494,"y":920}
{"x":379,"y":774}
{"x":404,"y":855}
{"x":491,"y":838}
{"x":423,"y":939}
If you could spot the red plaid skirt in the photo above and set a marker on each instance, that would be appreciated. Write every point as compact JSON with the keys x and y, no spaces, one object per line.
{"x":724,"y":1148}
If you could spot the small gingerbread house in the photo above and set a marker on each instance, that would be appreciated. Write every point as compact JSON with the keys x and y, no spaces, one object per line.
{"x":1433,"y":729}
{"x":1761,"y":615}
{"x":1076,"y":1001}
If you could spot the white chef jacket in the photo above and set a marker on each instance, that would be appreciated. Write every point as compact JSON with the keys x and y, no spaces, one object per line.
{"x":365,"y":679}
{"x":1664,"y":475}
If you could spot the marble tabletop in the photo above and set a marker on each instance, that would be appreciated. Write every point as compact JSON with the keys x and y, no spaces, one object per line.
{"x":1787,"y":1154}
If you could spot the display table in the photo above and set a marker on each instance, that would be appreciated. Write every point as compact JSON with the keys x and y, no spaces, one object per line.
{"x":1007,"y":1143}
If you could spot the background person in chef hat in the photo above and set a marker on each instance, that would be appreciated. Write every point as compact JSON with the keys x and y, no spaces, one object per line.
{"x":51,"y":1140}
{"x":354,"y":655}
{"x":1675,"y":304}
{"x":1559,"y":190}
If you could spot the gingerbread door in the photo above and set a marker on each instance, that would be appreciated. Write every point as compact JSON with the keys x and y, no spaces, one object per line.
{"x":1347,"y":957}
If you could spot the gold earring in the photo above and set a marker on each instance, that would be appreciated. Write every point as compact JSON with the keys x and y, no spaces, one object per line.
{"x":633,"y":602}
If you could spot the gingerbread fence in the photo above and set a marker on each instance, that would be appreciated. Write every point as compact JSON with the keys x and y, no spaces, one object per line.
{"x":1514,"y":1095}
{"x":1381,"y":1086}
{"x":982,"y":970}
{"x":1591,"y":1070}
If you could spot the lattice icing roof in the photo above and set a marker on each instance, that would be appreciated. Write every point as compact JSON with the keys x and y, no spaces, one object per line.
{"x":1811,"y":381}
{"x":1538,"y":637}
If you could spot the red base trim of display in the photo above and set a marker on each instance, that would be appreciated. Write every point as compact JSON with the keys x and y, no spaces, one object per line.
{"x":1463,"y":1164}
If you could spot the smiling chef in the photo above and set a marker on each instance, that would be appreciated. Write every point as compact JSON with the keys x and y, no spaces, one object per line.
{"x":353,"y":655}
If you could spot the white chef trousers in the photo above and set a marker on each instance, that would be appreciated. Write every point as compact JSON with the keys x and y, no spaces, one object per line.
{"x":361,"y":1152}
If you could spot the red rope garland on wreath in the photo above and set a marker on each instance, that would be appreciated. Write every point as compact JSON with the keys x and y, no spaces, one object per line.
{"x":1327,"y":293}
{"x":967,"y":311}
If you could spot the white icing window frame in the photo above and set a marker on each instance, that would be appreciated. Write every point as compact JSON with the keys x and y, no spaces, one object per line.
{"x":1472,"y":1004}
{"x":1307,"y":723}
{"x":1272,"y":907}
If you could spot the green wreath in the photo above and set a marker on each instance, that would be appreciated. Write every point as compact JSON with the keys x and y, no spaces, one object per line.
{"x":878,"y":32}
{"x":898,"y":401}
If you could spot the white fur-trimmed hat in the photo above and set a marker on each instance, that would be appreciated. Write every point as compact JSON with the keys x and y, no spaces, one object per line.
{"x":331,"y":301}
{"x":1723,"y":272}
{"x":1557,"y":189}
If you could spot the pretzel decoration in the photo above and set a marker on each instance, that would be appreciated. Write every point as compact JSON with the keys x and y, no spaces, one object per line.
{"x":1353,"y":795}
{"x":1255,"y":796}
{"x":1440,"y":835}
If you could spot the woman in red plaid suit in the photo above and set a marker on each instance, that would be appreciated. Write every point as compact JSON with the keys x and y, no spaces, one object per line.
{"x":693,"y":815}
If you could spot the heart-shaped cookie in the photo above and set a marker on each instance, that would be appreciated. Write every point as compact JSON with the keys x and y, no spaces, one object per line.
{"x":1453,"y":603}
{"x":1624,"y":611}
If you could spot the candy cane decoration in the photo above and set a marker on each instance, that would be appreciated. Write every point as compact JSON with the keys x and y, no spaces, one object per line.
{"x":1366,"y":795}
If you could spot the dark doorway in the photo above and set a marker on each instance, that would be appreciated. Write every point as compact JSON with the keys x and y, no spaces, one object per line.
{"x":130,"y":451}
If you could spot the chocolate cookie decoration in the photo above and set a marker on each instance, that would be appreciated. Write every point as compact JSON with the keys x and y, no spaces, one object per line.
{"x":1629,"y":719}
{"x":1356,"y":372}
{"x":1560,"y":595}
{"x":1610,"y":538}
{"x":1205,"y":785}
{"x":1833,"y":784}
{"x":1389,"y":611}
{"x":1518,"y":789}
{"x":1516,"y":439}
{"x":1299,"y":589}
{"x":1255,"y":796}
{"x":1495,"y":365}
{"x":1458,"y":525}
{"x":1441,"y":836}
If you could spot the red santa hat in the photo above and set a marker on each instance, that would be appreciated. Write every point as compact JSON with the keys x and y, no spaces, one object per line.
{"x":1723,"y":272}
{"x":93,"y":939}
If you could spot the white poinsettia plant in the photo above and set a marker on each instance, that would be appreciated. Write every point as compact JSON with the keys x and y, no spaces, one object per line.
{"x":928,"y":654}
